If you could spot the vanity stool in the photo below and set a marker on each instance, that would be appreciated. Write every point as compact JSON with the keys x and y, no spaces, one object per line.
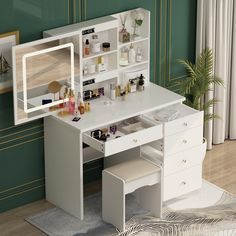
{"x":125,"y":178}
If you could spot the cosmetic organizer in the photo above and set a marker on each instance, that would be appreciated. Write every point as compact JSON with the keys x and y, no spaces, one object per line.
{"x":75,"y":55}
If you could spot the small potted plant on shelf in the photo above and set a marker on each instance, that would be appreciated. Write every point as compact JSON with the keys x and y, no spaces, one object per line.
{"x":199,"y":82}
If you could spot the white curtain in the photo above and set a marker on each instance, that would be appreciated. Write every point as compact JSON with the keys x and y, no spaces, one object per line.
{"x":216,"y":29}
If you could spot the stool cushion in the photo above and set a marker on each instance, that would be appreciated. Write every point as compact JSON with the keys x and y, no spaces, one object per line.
{"x":132,"y":170}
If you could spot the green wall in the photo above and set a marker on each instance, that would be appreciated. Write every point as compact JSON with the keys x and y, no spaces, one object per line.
{"x":21,"y":147}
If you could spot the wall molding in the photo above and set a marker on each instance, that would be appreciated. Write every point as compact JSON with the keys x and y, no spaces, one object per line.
{"x":22,"y":188}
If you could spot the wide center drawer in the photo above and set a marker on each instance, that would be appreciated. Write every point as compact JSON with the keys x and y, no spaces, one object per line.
{"x":177,"y":118}
{"x":130,"y":133}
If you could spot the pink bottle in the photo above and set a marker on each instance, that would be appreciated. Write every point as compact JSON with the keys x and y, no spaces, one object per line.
{"x":71,"y":102}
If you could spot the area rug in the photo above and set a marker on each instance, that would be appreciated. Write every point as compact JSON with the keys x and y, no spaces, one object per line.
{"x":208,"y":211}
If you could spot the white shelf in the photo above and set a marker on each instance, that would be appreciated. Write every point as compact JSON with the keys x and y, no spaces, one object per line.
{"x":102,"y":76}
{"x":133,"y":65}
{"x":102,"y":53}
{"x":133,"y":42}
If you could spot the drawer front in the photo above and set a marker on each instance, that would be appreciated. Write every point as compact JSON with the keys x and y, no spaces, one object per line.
{"x":183,"y":160}
{"x":182,"y":182}
{"x":184,"y":140}
{"x":133,"y":140}
{"x":184,"y":123}
{"x":125,"y":142}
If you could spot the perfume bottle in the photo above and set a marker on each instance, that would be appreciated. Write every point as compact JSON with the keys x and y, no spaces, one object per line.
{"x":81,"y":108}
{"x":141,"y":83}
{"x":132,"y":54}
{"x":139,"y":56}
{"x":118,"y":91}
{"x":66,"y":95}
{"x":71,"y":102}
{"x":85,"y":69}
{"x":87,"y":47}
{"x":124,"y":57}
{"x":133,"y":85}
{"x":101,"y":65}
{"x":112,"y":91}
{"x":61,"y":96}
{"x":95,"y":44}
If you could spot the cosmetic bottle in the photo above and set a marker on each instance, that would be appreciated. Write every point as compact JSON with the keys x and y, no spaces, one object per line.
{"x":132,"y":54}
{"x":95,"y":44}
{"x":139,"y":56}
{"x":89,"y":107}
{"x":101,"y":65}
{"x":66,"y":95}
{"x":133,"y":85}
{"x":141,"y":83}
{"x":106,"y":46}
{"x":91,"y":68}
{"x":128,"y":87}
{"x":81,"y":108}
{"x":124,"y":57}
{"x":118,"y":91}
{"x":85,"y":69}
{"x":87,"y":48}
{"x":112,"y":91}
{"x":61,"y":96}
{"x":71,"y":102}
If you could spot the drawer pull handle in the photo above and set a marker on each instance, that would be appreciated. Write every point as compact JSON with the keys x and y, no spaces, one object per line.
{"x":185,"y":124}
{"x":184,"y":183}
{"x":184,"y":161}
{"x":135,"y":140}
{"x":185,"y":141}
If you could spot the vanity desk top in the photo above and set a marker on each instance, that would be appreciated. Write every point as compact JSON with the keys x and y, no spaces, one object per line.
{"x":152,"y":98}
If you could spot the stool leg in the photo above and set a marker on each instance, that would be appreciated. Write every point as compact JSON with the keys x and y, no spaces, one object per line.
{"x":113,"y":200}
{"x":150,"y":198}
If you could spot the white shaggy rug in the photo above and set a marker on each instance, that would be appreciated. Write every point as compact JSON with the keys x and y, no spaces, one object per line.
{"x":208,"y":211}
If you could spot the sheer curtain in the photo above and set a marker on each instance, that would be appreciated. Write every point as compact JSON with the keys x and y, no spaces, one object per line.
{"x":216,"y":29}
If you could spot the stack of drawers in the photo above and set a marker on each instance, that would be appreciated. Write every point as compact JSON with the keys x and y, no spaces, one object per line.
{"x":182,"y":152}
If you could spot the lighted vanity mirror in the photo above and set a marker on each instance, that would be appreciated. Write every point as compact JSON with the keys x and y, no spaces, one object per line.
{"x":36,"y":66}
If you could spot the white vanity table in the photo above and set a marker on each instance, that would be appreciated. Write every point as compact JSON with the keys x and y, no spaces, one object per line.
{"x":177,"y":144}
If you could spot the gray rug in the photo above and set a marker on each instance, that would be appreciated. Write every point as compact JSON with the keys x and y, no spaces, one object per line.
{"x":209,"y":211}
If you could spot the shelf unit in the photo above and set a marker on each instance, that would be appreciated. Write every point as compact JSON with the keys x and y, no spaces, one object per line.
{"x":31,"y":75}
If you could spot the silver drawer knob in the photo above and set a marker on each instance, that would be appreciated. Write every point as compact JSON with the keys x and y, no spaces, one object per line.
{"x":185,"y":141}
{"x":185,"y":124}
{"x":184,"y":161}
{"x":135,"y":140}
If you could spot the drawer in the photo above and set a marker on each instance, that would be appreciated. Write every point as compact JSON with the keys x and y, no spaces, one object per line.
{"x":180,"y":141}
{"x":132,"y":133}
{"x":184,"y":160}
{"x":182,"y":182}
{"x":186,"y":117}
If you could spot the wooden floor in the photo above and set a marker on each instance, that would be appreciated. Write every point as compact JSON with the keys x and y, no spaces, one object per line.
{"x":219,"y":168}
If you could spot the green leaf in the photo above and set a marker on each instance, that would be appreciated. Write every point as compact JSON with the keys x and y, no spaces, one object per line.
{"x":199,"y":82}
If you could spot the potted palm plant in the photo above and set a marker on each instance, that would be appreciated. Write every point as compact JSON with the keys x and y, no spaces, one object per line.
{"x":199,"y":82}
